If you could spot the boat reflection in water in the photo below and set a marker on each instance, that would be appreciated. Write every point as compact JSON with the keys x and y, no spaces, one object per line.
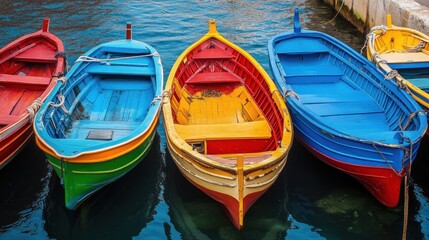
{"x":196,"y":216}
{"x":119,"y":211}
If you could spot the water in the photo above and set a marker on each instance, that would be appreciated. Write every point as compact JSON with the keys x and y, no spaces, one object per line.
{"x":309,"y":200}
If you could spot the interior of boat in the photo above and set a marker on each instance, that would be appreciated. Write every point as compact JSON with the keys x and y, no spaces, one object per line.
{"x":346,"y":97}
{"x":103,"y":102}
{"x":221,"y":105}
{"x":25,"y":72}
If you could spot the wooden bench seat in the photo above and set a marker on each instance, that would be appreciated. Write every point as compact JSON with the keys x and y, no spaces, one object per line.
{"x":213,"y":53}
{"x":345,"y":108}
{"x":8,"y":119}
{"x":39,"y":53}
{"x":213,"y":77}
{"x":245,"y":130}
{"x":405,"y":57}
{"x":24,"y":80}
{"x":120,"y":70}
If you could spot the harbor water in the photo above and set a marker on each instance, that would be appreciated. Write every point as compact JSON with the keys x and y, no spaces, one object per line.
{"x":309,"y":200}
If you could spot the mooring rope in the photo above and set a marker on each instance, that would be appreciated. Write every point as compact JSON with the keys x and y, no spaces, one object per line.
{"x":164,"y":94}
{"x":107,"y":60}
{"x":33,"y":108}
{"x":371,"y":36}
{"x":338,"y":12}
{"x":407,"y":180}
{"x":290,"y":93}
{"x":418,"y":48}
{"x":61,"y":79}
{"x":61,"y":98}
{"x":410,"y":119}
{"x":387,"y":161}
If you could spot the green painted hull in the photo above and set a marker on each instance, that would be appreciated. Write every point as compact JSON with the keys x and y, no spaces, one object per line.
{"x":80,"y":180}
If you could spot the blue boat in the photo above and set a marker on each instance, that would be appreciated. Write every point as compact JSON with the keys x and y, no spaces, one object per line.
{"x":344,"y":111}
{"x":100,"y":119}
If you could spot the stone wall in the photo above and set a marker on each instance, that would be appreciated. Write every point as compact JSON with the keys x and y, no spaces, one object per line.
{"x":364,"y":14}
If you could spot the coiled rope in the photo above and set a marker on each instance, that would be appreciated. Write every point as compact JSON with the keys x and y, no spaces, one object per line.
{"x":371,"y":36}
{"x":418,"y":48}
{"x":61,"y":100}
{"x":33,"y":108}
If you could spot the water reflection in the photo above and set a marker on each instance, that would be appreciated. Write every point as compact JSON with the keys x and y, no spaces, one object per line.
{"x":309,"y":200}
{"x":118,"y":211}
{"x":23,"y":186}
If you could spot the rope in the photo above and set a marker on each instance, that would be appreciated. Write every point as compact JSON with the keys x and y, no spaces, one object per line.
{"x":60,"y":104}
{"x":400,"y":81}
{"x":372,"y":35}
{"x":339,"y":10}
{"x":390,"y":75}
{"x":33,"y":108}
{"x":418,"y":48}
{"x":410,"y":119}
{"x":406,"y":196}
{"x":291,"y":93}
{"x":107,"y":60}
{"x":210,"y":93}
{"x":407,"y":181}
{"x":387,"y":162}
{"x":159,"y":98}
{"x":61,"y":79}
{"x":381,"y":61}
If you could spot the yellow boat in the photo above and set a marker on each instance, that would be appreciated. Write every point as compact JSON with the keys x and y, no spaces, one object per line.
{"x":227,"y":126}
{"x":403,"y":54}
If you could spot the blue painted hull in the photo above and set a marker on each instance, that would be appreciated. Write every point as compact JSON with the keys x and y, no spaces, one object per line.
{"x":344,"y":111}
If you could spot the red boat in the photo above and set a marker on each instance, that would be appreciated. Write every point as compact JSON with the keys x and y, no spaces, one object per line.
{"x":29,"y":68}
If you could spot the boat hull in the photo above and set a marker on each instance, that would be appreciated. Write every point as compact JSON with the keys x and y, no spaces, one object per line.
{"x":225,"y":188}
{"x":13,"y":142}
{"x":383,"y":183}
{"x":352,"y":157}
{"x":80,"y":180}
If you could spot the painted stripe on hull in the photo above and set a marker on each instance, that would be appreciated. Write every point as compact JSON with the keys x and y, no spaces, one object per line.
{"x":229,"y":203}
{"x":226,"y":190}
{"x":12,"y":144}
{"x":82,"y":180}
{"x":383,"y":183}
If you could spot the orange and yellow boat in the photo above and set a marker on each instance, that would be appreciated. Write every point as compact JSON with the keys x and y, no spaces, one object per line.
{"x":227,"y":126}
{"x":403,"y":54}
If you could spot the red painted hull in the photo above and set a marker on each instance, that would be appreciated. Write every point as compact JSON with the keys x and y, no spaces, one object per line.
{"x":12,"y":144}
{"x":382,"y":183}
{"x":28,"y":66}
